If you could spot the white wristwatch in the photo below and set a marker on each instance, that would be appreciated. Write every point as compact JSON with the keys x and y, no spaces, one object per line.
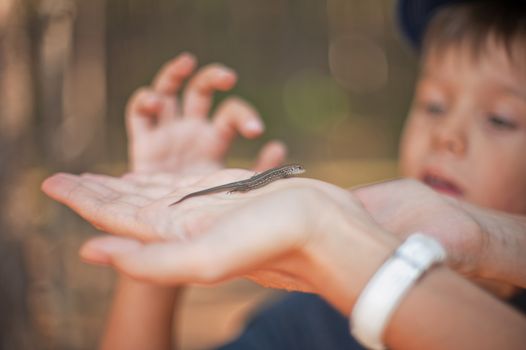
{"x":387,"y":287}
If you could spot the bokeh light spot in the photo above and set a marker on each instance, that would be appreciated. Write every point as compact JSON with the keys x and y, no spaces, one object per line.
{"x":314,"y":102}
{"x":358,"y":63}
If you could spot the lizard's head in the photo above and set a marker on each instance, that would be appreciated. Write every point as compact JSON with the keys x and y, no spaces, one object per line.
{"x":296,"y":169}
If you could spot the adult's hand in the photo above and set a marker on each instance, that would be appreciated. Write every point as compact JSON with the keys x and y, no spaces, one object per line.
{"x":284,"y":235}
{"x":297,"y":234}
{"x":481,"y":243}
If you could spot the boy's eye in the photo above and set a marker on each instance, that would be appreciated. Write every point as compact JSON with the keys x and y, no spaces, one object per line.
{"x":501,"y":123}
{"x":433,"y":108}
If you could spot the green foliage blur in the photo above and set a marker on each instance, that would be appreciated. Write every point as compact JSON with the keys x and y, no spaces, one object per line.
{"x":282,"y":51}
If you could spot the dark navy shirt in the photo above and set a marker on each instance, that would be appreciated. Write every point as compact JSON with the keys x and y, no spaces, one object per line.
{"x":299,"y":321}
{"x":305,"y":322}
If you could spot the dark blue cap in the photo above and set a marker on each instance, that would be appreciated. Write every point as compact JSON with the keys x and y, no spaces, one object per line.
{"x":414,"y":15}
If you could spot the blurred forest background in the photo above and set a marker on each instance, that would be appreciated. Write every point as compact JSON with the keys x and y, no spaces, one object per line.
{"x":332,"y":79}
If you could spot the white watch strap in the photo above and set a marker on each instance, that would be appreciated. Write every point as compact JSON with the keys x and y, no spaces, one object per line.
{"x":387,"y":287}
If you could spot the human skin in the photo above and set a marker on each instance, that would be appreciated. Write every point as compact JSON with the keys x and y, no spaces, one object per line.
{"x":176,"y":132}
{"x":465,"y":242}
{"x":466,"y":132}
{"x":466,"y":129}
{"x":490,"y":246}
{"x":333,"y":254}
{"x":481,"y":243}
{"x":172,"y":132}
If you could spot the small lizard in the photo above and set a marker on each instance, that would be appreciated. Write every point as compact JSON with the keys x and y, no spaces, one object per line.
{"x":256,"y":181}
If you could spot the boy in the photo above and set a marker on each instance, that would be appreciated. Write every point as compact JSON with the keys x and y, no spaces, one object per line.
{"x":465,"y":136}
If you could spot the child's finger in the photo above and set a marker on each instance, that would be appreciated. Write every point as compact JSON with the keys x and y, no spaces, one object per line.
{"x":234,"y":114}
{"x":171,"y":76}
{"x":142,"y":109}
{"x":272,"y":154}
{"x":169,"y":80}
{"x":169,"y":110}
{"x":197,"y":98}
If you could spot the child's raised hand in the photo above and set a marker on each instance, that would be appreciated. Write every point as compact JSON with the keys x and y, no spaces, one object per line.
{"x":172,"y":133}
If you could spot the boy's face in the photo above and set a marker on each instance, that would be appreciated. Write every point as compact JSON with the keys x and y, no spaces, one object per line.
{"x":466,"y":132}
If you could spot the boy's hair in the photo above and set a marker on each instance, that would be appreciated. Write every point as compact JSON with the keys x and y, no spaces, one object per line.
{"x":476,"y":25}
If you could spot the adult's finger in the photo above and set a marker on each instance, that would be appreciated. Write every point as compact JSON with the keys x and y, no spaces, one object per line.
{"x":197,"y":98}
{"x":231,"y":247}
{"x":235,"y":114}
{"x":103,"y":207}
{"x":95,"y":250}
{"x":149,"y":191}
{"x":272,"y":154}
{"x":161,"y":179}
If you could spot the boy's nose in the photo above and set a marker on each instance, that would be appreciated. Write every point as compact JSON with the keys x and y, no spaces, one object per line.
{"x":449,"y":136}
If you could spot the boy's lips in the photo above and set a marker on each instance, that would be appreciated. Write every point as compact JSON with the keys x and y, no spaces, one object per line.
{"x":440,"y":184}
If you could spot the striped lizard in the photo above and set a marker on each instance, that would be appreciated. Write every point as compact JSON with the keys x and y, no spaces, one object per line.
{"x":256,"y":181}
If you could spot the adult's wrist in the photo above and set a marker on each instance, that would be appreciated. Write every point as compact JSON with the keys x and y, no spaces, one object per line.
{"x":503,"y":256}
{"x":346,"y":259}
{"x":386,"y":289}
{"x":500,"y":245}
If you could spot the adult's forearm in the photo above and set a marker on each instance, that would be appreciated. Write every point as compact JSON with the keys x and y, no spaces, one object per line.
{"x":504,"y":255}
{"x":445,"y":311}
{"x":481,"y":243}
